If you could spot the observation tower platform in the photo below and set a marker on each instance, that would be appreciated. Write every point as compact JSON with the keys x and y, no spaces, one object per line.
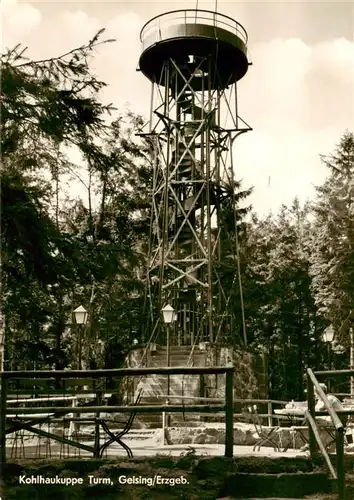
{"x":186,"y":36}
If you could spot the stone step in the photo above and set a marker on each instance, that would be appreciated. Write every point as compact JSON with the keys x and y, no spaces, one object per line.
{"x":175,"y":379}
{"x":184,"y":355}
{"x":179,"y":359}
{"x":141,"y":435}
{"x":174,"y":350}
{"x":157,"y":399}
{"x":157,"y":382}
{"x":187,"y":355}
{"x":177,"y":362}
{"x":163,"y":356}
{"x":159,"y":391}
{"x":189,"y":349}
{"x":173,"y":355}
{"x":174,"y":386}
{"x":300,"y":484}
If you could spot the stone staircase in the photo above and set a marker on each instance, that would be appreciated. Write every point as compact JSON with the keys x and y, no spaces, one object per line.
{"x":155,"y":386}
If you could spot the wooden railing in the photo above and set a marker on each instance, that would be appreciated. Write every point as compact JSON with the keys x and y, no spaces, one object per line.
{"x":340,"y":431}
{"x":314,"y":435}
{"x":227,"y":406}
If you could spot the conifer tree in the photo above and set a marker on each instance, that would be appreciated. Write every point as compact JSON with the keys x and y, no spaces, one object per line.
{"x":332,"y":260}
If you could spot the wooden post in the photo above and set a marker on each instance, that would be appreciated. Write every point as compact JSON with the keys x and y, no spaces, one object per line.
{"x":229,"y":410}
{"x":2,"y":340}
{"x":72,"y":424}
{"x":340,"y":463}
{"x":96,"y":452}
{"x":311,"y":409}
{"x":202,"y":386}
{"x":270,"y":412}
{"x":3,"y":381}
{"x":351,"y":361}
{"x":164,"y":430}
{"x":167,"y":420}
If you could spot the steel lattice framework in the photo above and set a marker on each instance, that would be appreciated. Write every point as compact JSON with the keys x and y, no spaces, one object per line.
{"x":194,"y":64}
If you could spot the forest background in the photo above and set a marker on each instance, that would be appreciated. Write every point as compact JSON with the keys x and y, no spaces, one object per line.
{"x":60,"y":250}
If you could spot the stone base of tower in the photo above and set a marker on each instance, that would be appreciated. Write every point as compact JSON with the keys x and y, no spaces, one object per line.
{"x":249,"y":379}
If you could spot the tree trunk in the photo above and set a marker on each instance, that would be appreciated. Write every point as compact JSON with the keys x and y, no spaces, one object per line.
{"x":2,"y":340}
{"x":300,"y":364}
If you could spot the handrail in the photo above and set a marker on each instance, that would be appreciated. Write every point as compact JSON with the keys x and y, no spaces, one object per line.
{"x":190,"y":357}
{"x":119,"y":409}
{"x":320,"y":444}
{"x":236,"y":400}
{"x":333,"y":373}
{"x":119,"y":372}
{"x":274,"y":401}
{"x":47,"y":396}
{"x":312,"y":383}
{"x":148,"y":344}
{"x":213,"y":16}
{"x":335,"y":419}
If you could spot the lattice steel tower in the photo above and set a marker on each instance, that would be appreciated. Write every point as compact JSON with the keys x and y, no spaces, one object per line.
{"x":194,"y":59}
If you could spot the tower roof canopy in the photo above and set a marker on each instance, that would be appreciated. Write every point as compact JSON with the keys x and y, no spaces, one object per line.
{"x":182,"y":35}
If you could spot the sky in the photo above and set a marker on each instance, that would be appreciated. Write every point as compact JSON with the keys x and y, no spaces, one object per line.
{"x":298,"y":96}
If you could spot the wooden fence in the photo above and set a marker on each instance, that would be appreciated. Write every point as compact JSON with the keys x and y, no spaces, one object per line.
{"x":7,"y":379}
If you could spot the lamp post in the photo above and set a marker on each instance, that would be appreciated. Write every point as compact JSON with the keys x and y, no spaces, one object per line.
{"x":80,"y":315}
{"x":327,"y":337}
{"x":168,"y":317}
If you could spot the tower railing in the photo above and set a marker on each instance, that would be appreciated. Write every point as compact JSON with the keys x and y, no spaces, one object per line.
{"x":191,"y":16}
